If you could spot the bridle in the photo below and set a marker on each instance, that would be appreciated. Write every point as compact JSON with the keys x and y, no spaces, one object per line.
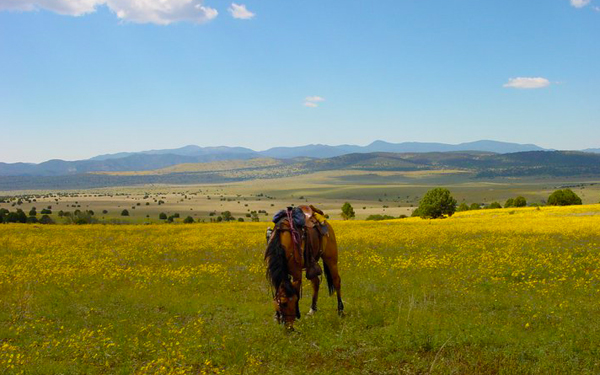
{"x":297,"y":235}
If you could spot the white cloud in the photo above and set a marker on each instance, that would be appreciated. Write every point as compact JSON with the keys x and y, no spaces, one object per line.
{"x":313,"y":101}
{"x":161,"y":12}
{"x":527,"y":83}
{"x":580,"y":3}
{"x":240,"y":12}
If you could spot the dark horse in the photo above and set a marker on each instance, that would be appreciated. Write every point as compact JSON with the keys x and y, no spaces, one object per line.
{"x":291,"y":248}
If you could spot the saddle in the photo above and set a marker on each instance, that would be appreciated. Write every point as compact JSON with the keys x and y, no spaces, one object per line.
{"x":311,"y":222}
{"x":315,"y":218}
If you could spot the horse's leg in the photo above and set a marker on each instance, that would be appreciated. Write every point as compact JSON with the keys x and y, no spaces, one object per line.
{"x":337,"y":283}
{"x":296,"y":273}
{"x":316,"y":282}
{"x":330,"y":260}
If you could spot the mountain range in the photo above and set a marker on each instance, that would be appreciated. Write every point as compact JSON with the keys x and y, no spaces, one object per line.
{"x":156,"y":159}
{"x":472,"y":164}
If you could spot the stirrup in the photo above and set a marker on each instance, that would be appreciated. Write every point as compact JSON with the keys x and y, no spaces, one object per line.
{"x":313,"y":271}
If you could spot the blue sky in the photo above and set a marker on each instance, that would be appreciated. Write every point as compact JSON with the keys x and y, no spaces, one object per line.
{"x":85,"y":77}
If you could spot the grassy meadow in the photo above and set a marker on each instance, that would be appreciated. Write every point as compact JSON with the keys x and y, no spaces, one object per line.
{"x":370,"y":192}
{"x":493,"y":291}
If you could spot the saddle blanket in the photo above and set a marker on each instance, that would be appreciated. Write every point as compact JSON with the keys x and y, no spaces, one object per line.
{"x":297,"y":216}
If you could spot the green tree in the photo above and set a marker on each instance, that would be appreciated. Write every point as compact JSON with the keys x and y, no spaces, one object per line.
{"x":32,"y":212}
{"x":188,"y":220}
{"x":162,"y":216}
{"x":20,"y":216}
{"x":124,"y":213}
{"x":510,"y":202}
{"x":564,"y":197}
{"x":520,"y":202}
{"x":495,"y":205}
{"x":475,"y":206}
{"x":45,"y":219}
{"x":227,"y":216}
{"x":347,"y":211}
{"x":437,"y":203}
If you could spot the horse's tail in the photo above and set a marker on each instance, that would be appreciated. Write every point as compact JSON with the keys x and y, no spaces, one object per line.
{"x":329,"y":278}
{"x":277,"y":268}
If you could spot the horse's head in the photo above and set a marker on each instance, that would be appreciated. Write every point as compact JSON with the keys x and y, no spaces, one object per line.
{"x":286,"y":305}
{"x":280,"y":256}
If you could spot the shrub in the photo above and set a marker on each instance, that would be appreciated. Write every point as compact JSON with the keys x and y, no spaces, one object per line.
{"x":46,"y":211}
{"x":462,"y":207}
{"x":520,"y":202}
{"x":124,"y":213}
{"x":475,"y":206}
{"x":188,"y":220}
{"x":227,"y":216}
{"x":416,"y":213}
{"x":495,"y":205}
{"x":347,"y":211}
{"x":45,"y":219}
{"x":162,"y":216}
{"x":437,"y":203}
{"x":509,"y":203}
{"x":380,"y":217}
{"x":564,"y":197}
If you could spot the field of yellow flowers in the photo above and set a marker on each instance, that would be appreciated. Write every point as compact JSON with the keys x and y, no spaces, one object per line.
{"x":491,"y":291}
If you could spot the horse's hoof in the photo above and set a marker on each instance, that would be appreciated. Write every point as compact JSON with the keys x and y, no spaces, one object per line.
{"x":311,"y":312}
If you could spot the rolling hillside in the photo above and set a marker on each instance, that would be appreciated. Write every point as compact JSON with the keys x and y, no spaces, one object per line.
{"x":157,"y":159}
{"x":477,"y":165}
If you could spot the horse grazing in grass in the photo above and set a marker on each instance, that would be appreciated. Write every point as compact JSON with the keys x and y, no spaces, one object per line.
{"x":300,"y":238}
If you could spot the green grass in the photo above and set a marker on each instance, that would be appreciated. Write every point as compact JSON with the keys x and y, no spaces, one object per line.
{"x":487,"y":293}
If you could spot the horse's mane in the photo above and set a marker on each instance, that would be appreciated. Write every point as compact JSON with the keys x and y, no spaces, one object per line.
{"x":277,"y":268}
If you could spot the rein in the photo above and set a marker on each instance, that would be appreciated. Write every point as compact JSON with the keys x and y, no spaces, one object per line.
{"x":296,"y":236}
{"x":293,"y":231}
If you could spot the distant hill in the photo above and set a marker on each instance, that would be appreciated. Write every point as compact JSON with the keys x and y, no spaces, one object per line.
{"x":213,"y":166}
{"x":157,"y":159}
{"x":325,"y":151}
{"x":475,"y":165}
{"x":191,"y":150}
{"x":135,"y":162}
{"x":592,"y":150}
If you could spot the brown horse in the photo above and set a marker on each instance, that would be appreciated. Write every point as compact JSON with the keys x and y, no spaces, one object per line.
{"x":288,"y":250}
